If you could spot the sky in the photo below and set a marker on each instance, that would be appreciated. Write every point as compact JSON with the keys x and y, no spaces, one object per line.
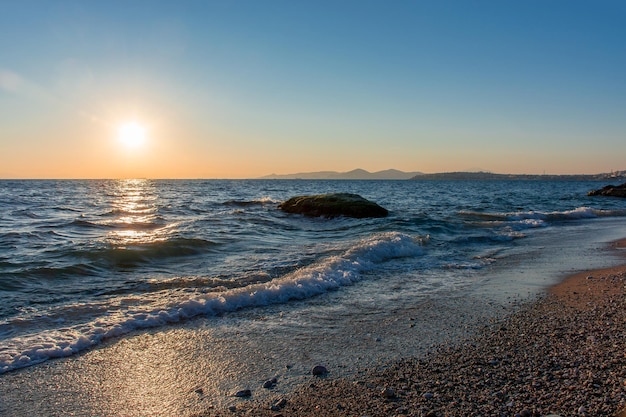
{"x":243,"y":89}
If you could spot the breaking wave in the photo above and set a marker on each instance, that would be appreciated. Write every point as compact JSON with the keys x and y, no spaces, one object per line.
{"x":31,"y":340}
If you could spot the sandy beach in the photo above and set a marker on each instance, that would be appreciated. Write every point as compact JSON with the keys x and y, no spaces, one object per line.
{"x":562,"y":354}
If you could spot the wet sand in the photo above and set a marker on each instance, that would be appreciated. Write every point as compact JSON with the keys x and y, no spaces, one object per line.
{"x":563,"y":354}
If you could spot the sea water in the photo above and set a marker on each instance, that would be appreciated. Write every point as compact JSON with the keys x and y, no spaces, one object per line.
{"x":83,"y":262}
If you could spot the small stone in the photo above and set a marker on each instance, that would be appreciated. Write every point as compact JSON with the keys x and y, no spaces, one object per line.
{"x":319,"y":370}
{"x":278,"y":404}
{"x":268,"y":384}
{"x":243,"y":393}
{"x":232,"y":408}
{"x":428,"y":395}
{"x":388,"y":392}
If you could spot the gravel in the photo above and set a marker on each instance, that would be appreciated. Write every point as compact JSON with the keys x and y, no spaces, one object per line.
{"x":562,"y":355}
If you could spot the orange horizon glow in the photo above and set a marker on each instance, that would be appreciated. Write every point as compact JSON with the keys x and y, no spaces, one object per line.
{"x":220,"y":91}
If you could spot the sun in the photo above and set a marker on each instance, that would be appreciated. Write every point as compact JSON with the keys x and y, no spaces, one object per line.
{"x":132,"y":134}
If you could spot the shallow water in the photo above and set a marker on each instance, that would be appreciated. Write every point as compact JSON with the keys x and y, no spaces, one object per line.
{"x":84,"y":262}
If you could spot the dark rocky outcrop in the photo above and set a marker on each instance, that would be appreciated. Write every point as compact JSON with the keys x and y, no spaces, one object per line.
{"x":333,"y":205}
{"x":611,"y":191}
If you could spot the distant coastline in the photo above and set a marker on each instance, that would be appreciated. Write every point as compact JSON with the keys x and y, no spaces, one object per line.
{"x":508,"y":177}
{"x":394,"y":174}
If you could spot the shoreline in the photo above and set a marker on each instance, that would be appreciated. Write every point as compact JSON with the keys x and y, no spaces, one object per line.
{"x":560,"y":355}
{"x":546,"y":356}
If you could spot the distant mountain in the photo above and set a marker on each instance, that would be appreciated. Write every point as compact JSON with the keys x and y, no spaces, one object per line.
{"x":356,"y":174}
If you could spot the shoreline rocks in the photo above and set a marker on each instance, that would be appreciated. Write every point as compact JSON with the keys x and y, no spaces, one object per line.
{"x":610,"y":191}
{"x":333,"y":205}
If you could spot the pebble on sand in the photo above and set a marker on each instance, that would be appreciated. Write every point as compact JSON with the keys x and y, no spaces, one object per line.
{"x":319,"y":370}
{"x":243,"y":393}
{"x":546,"y":358}
{"x":278,"y":404}
{"x":270,"y":383}
{"x":388,"y":393}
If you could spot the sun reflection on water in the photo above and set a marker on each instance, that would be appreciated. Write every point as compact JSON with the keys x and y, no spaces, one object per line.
{"x":136,"y":221}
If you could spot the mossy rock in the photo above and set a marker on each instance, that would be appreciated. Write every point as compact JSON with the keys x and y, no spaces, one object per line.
{"x":333,"y":205}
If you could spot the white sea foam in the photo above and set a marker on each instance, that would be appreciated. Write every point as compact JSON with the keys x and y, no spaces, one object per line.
{"x":575,"y":214}
{"x":521,"y":220}
{"x":131,"y":313}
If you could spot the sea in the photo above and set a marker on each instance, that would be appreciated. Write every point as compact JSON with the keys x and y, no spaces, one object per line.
{"x":88,"y":262}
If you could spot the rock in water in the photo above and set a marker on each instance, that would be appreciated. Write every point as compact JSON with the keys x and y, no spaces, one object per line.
{"x":333,"y":205}
{"x":611,"y":191}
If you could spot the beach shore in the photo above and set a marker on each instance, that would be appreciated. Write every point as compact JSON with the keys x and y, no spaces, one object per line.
{"x":561,"y":354}
{"x":564,"y":355}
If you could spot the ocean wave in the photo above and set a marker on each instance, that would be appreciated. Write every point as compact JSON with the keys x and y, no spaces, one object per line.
{"x":207,"y":284}
{"x":126,"y":211}
{"x":55,"y":272}
{"x":246,"y":203}
{"x":531,"y":218}
{"x":505,"y":234}
{"x":125,"y":314}
{"x":132,"y":254}
{"x":477,"y":264}
{"x":20,"y":240}
{"x":79,"y":223}
{"x":26,"y":213}
{"x":10,"y":240}
{"x":66,"y":208}
{"x":134,"y":224}
{"x":575,"y":214}
{"x":124,"y":224}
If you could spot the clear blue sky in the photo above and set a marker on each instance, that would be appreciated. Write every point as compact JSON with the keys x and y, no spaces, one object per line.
{"x":235,"y":89}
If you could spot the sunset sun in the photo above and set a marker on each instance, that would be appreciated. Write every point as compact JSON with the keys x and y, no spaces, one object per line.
{"x":132,"y":134}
